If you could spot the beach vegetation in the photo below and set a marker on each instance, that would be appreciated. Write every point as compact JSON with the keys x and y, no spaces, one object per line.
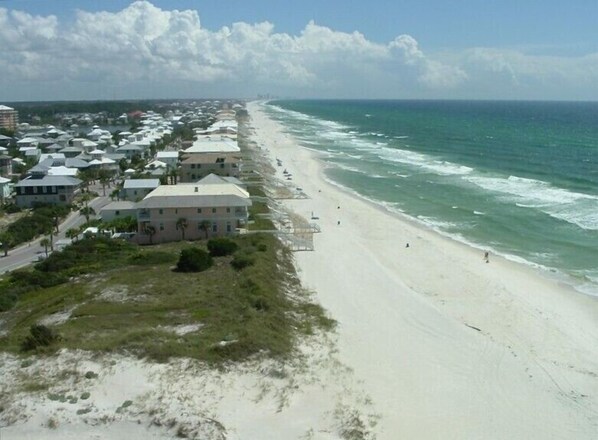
{"x":221,"y":246}
{"x":194,"y":259}
{"x":39,"y":336}
{"x":260,"y":310}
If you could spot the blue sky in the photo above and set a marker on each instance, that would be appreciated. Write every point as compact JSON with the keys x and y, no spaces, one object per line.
{"x":413,"y":49}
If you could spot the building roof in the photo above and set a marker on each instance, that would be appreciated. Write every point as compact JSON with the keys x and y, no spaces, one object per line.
{"x":5,"y":107}
{"x":196,"y":196}
{"x":73,"y":162}
{"x":210,"y":145}
{"x":113,"y":206}
{"x":141,"y":183}
{"x":167,"y":154}
{"x":62,"y":171}
{"x":49,"y":181}
{"x":4,"y":180}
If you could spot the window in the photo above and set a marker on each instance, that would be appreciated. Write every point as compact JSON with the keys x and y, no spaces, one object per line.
{"x":193,"y":176}
{"x":135,"y":193}
{"x":198,"y":165}
{"x":221,"y":165}
{"x":192,"y":166}
{"x":199,"y":210}
{"x":228,"y":227}
{"x":213,"y":210}
{"x":161,"y":226}
{"x":161,"y":211}
{"x":214,"y":227}
{"x":228,"y":210}
{"x":117,"y":213}
{"x":176,"y":210}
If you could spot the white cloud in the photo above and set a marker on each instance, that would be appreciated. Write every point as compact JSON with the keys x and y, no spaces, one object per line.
{"x":143,"y":43}
{"x":161,"y":53}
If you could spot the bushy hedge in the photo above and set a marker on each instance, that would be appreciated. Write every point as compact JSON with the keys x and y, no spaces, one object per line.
{"x":39,"y":336}
{"x":39,"y":222}
{"x":219,"y":247}
{"x":194,"y":260}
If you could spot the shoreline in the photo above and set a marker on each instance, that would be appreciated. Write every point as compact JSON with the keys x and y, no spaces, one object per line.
{"x":452,"y":306}
{"x":580,"y":284}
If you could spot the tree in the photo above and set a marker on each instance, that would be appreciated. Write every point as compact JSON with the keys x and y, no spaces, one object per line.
{"x":123,"y":165}
{"x":219,"y":247}
{"x":87,"y":211}
{"x":173,"y":174}
{"x":72,"y":233}
{"x":104,"y":176}
{"x":181,"y":225}
{"x":115,"y":194}
{"x":5,"y":241}
{"x":205,"y":225}
{"x":45,"y":243}
{"x":194,"y":260}
{"x":87,"y":176}
{"x":151,"y":231}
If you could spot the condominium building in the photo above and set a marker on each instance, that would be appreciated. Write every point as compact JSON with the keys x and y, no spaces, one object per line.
{"x":9,"y":118}
{"x":192,"y":211}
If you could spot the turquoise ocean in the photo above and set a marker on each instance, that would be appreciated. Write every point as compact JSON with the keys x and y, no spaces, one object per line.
{"x":519,"y":179}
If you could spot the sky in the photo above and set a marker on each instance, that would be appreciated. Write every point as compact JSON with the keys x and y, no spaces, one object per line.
{"x":379,"y":49}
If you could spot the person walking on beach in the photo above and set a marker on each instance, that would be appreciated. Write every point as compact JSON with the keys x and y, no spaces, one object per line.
{"x":486,"y":257}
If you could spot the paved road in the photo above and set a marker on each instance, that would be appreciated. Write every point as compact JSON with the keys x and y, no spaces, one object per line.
{"x":30,"y":252}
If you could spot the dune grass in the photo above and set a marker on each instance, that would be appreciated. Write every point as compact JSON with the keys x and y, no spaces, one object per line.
{"x":133,"y":301}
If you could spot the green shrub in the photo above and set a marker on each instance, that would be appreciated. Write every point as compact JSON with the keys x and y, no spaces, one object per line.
{"x":220,"y":247}
{"x":39,"y":336}
{"x":194,"y":260}
{"x":242,"y":260}
{"x":149,"y":258}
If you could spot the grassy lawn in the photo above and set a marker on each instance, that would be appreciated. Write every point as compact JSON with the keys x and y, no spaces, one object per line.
{"x":129,"y":299}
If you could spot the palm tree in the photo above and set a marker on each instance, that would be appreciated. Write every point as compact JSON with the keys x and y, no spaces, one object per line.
{"x":104,"y":176}
{"x":72,"y":233}
{"x":173,"y":174}
{"x":45,"y":243}
{"x":181,"y":225}
{"x":87,"y":211}
{"x":5,"y":240}
{"x":205,"y":226}
{"x":151,"y":231}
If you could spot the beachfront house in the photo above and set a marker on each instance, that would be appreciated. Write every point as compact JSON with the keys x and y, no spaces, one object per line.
{"x":136,"y":189}
{"x":193,"y":211}
{"x":55,"y":190}
{"x":197,"y":166}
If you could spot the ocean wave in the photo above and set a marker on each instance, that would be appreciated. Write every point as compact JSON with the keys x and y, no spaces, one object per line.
{"x":572,"y":207}
{"x":423,"y":161}
{"x":437,"y":223}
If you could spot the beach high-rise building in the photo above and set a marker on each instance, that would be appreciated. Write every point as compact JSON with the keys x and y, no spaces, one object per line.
{"x":9,"y":117}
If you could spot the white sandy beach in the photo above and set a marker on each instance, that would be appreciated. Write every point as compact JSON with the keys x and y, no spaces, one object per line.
{"x":448,"y":347}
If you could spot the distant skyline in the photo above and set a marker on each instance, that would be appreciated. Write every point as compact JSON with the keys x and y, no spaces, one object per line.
{"x":470,"y":49}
